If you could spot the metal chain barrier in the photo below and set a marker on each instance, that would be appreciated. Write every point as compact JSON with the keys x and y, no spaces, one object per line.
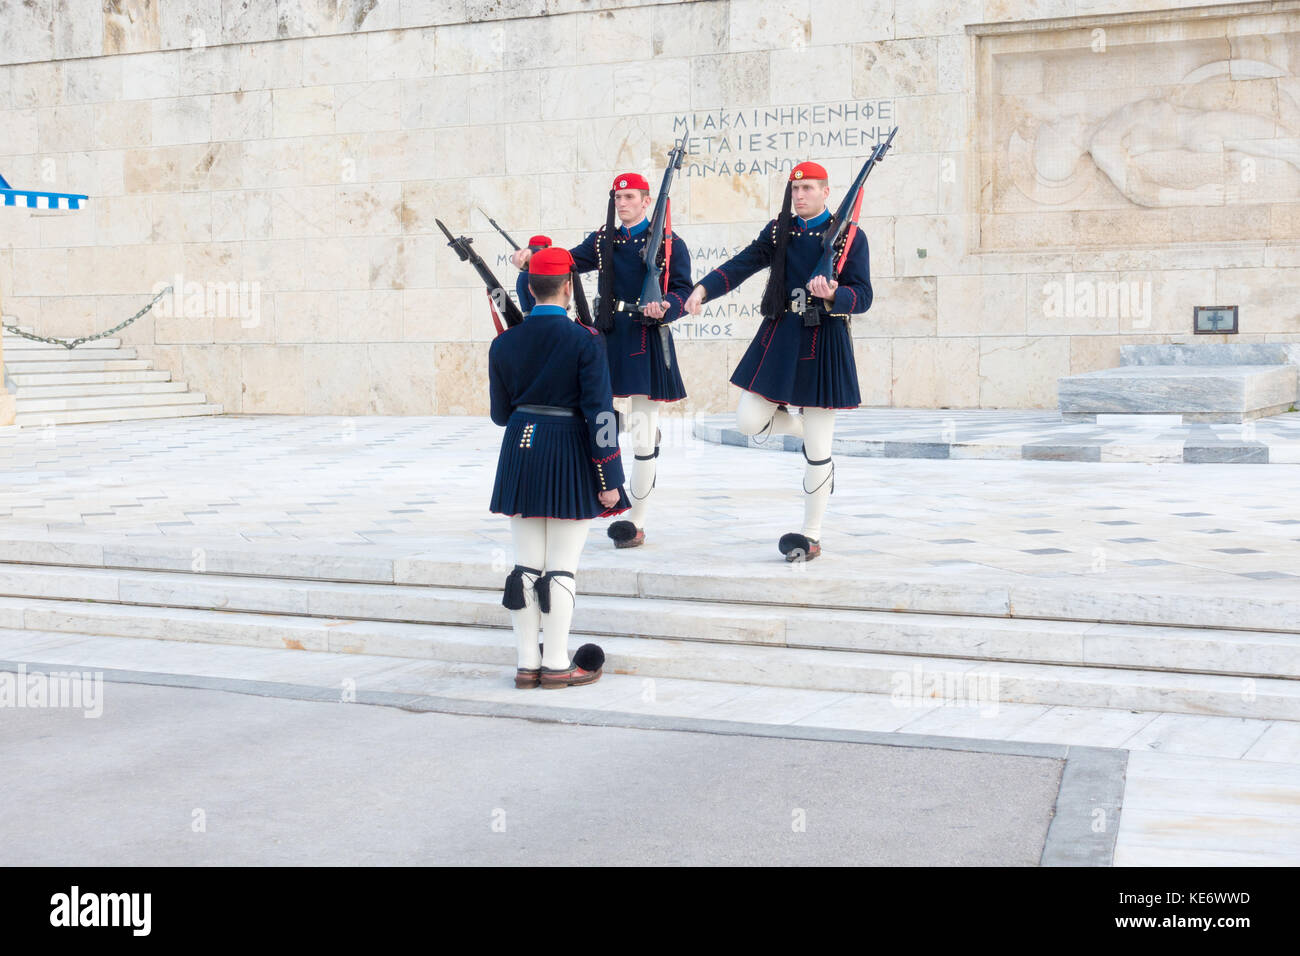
{"x":73,"y":343}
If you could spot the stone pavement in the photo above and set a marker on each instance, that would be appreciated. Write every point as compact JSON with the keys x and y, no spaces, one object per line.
{"x":402,"y":486}
{"x":325,"y":489}
{"x":293,"y":782}
{"x":1038,"y":436}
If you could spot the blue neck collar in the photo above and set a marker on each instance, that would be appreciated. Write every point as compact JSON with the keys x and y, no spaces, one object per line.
{"x":636,"y":230}
{"x":539,"y":310}
{"x":814,"y":221}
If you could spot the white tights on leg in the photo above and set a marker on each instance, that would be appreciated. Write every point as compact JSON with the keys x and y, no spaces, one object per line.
{"x":549,"y":545}
{"x":564,"y":543}
{"x":819,"y":430}
{"x":643,"y":426}
{"x":529,"y":536}
{"x":755,"y":413}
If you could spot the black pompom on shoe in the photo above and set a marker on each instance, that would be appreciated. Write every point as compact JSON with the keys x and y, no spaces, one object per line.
{"x":590,"y":657}
{"x":625,"y":535}
{"x":584,"y":669}
{"x":798,"y":547}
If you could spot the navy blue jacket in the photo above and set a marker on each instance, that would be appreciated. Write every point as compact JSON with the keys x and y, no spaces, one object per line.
{"x":629,"y":269}
{"x":801,"y":255}
{"x":551,"y":360}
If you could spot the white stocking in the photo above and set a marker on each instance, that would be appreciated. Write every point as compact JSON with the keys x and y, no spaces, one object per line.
{"x":564,"y":543}
{"x":529,"y":536}
{"x":755,"y":413}
{"x":643,"y":426}
{"x":819,"y":430}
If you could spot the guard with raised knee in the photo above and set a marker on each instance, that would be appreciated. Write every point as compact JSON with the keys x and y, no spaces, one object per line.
{"x":802,"y":354}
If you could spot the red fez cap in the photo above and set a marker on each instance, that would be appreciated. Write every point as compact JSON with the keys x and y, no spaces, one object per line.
{"x":541,"y":242}
{"x":808,"y":171}
{"x":551,"y":261}
{"x":631,"y":181}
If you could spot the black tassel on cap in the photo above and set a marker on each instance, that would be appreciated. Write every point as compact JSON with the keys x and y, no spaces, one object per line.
{"x":580,"y":307}
{"x":605,"y":280}
{"x":775,"y":301}
{"x":589,"y":657}
{"x":513,"y":597}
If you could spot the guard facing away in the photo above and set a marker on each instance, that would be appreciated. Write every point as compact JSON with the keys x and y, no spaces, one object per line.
{"x":802,"y":354}
{"x":642,"y":359}
{"x":559,"y":468}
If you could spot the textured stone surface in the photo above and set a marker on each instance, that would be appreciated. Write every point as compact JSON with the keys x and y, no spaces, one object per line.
{"x":1277,"y":353}
{"x":316,"y":142}
{"x":1210,"y":393}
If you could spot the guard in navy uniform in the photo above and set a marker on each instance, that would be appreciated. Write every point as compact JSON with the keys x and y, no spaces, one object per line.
{"x":559,"y":468}
{"x":642,"y":359}
{"x":798,"y":359}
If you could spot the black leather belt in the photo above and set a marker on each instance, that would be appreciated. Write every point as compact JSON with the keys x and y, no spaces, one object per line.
{"x":799,"y":304}
{"x":547,"y":410}
{"x":619,"y":306}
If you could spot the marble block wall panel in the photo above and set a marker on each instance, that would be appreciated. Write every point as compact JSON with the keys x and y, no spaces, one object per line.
{"x":299,"y":153}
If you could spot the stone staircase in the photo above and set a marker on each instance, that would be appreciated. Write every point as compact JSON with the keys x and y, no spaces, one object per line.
{"x":1170,"y":650}
{"x":98,"y":381}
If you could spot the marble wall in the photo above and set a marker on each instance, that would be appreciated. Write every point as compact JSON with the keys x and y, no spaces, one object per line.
{"x":282,"y":165}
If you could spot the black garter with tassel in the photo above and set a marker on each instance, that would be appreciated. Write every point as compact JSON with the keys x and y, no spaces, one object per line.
{"x":543,"y":588}
{"x":513,"y":598}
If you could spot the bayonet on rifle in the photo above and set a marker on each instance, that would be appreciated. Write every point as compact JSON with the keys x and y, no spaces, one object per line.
{"x":504,"y":235}
{"x":500,"y":299}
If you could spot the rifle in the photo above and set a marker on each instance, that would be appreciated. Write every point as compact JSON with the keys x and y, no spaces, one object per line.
{"x":504,"y":235}
{"x":846,"y":217}
{"x":498,"y":299}
{"x":656,"y":279}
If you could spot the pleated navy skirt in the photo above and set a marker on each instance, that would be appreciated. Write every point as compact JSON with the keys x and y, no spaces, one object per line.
{"x":798,"y":365}
{"x":637,"y":363}
{"x":547,"y":472}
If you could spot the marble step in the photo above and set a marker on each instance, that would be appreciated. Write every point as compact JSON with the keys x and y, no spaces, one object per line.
{"x":966,"y":591}
{"x":116,"y":414}
{"x":962,"y":590}
{"x":23,"y":379}
{"x":85,"y":364}
{"x":39,"y":392}
{"x":119,"y":400}
{"x":1191,"y":650}
{"x":913,"y":680}
{"x":35,"y":359}
{"x":16,"y":343}
{"x":1208,"y":393}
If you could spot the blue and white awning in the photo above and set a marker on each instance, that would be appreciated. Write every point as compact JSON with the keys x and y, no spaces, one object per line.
{"x":37,"y":198}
